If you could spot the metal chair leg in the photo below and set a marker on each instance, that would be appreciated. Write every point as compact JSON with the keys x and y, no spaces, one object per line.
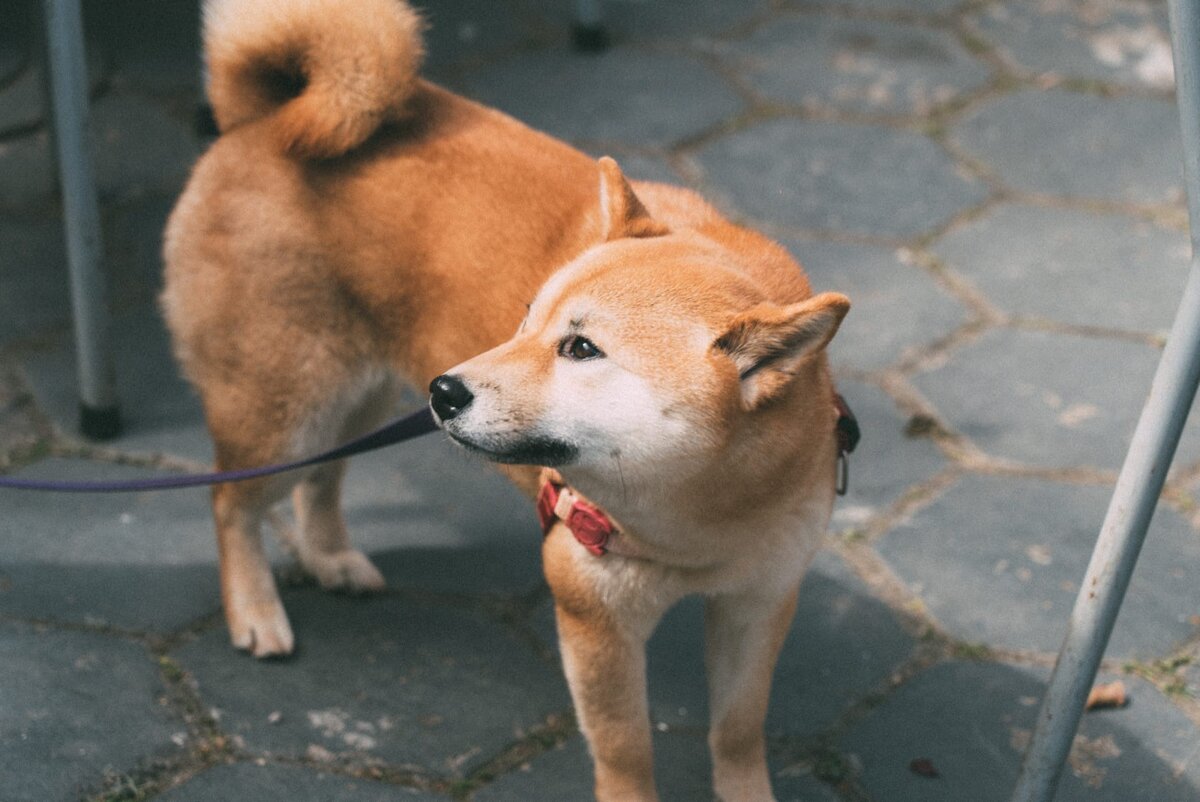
{"x":99,"y":415}
{"x":1142,"y":476}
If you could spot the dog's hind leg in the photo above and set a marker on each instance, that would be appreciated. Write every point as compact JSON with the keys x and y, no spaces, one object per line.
{"x":255,"y":428}
{"x":321,"y":541}
{"x":744,"y":634}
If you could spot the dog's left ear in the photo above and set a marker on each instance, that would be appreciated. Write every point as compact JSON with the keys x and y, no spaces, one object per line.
{"x":624,"y":215}
{"x":768,"y":342}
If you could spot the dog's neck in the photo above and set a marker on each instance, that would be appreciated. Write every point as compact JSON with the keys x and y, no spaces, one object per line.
{"x":785,"y":460}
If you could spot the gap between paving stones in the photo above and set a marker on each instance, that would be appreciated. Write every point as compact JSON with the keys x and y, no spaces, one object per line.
{"x":964,"y":457}
{"x":207,"y":744}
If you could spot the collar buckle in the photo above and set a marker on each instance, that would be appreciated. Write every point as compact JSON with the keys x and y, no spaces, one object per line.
{"x":587,"y":522}
{"x":848,"y":435}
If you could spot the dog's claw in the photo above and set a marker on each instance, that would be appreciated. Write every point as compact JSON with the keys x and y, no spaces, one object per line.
{"x":264,"y":635}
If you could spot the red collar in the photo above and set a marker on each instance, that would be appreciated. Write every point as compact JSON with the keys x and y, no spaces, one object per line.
{"x":595,"y":531}
{"x":587,"y":522}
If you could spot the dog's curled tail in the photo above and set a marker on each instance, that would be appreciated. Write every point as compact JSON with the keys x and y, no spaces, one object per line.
{"x":328,"y":72}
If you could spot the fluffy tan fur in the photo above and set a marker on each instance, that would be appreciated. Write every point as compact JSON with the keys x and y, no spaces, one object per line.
{"x":326,"y":87}
{"x":355,"y":227}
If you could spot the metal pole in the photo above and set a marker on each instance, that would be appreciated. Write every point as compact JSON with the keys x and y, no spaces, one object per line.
{"x":1141,"y":479}
{"x":67,"y":71}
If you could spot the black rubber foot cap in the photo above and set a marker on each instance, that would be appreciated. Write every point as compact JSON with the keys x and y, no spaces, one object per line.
{"x":100,"y":424}
{"x":590,"y":38}
{"x":204,"y":123}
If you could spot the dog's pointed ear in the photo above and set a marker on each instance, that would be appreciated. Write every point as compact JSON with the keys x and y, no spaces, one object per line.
{"x":623,"y":214}
{"x":768,"y":342}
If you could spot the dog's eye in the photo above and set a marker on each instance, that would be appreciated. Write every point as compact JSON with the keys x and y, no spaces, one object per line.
{"x":579,"y":348}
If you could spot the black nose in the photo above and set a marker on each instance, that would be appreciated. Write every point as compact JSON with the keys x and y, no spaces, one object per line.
{"x":449,"y":396}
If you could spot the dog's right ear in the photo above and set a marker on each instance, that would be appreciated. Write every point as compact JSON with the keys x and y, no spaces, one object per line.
{"x":624,"y":215}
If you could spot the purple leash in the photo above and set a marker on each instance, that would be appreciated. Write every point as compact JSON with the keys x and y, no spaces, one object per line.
{"x":401,"y":429}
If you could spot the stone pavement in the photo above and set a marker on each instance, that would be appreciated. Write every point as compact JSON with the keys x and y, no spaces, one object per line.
{"x":996,"y":185}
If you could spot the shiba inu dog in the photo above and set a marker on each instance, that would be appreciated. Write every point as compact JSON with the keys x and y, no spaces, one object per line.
{"x":665,"y":396}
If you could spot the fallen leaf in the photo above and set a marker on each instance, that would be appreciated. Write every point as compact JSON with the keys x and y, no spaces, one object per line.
{"x":1110,"y":695}
{"x":923,"y":767}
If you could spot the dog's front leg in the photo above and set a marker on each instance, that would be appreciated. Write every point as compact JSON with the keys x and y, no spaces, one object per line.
{"x":253,"y":610}
{"x":744,"y":634}
{"x":605,"y":665}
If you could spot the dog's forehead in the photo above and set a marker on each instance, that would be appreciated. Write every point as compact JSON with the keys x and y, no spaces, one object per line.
{"x":634,"y":278}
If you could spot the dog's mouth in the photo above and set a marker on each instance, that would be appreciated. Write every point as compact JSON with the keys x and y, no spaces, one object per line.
{"x":547,"y":452}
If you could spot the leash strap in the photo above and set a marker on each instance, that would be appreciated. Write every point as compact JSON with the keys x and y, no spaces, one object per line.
{"x":399,"y":430}
{"x":406,"y":428}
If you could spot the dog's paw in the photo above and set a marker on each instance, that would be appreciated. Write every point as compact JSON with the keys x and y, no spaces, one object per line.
{"x":263,"y":630}
{"x":348,"y":570}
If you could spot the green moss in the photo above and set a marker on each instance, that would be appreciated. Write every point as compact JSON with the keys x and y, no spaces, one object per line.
{"x":972,"y":651}
{"x":830,"y":767}
{"x":170,"y":669}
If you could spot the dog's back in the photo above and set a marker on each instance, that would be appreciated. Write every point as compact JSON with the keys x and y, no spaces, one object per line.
{"x":370,"y":202}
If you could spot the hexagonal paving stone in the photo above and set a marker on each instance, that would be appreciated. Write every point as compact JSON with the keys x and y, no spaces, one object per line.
{"x":15,"y":22}
{"x":825,"y":176}
{"x":76,"y":706}
{"x":1052,"y":400}
{"x":887,"y":462}
{"x":682,"y":772}
{"x":138,"y":149}
{"x":973,"y":720}
{"x":999,"y":561}
{"x":384,"y":678}
{"x":895,"y":308}
{"x":34,"y":295}
{"x":842,"y":644}
{"x":133,"y":244}
{"x":1105,"y":40}
{"x":1079,"y":145}
{"x":1072,"y":266}
{"x":435,"y":518}
{"x":294,"y":783}
{"x":607,"y":97}
{"x":1189,"y":673}
{"x":903,"y":6}
{"x":26,"y":172}
{"x":638,"y":20}
{"x":160,"y":412}
{"x":143,"y":561}
{"x":168,"y":61}
{"x":858,"y":65}
{"x":21,"y":426}
{"x":33,"y":277}
{"x":431,"y":518}
{"x":22,"y":85}
{"x":465,"y":32}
